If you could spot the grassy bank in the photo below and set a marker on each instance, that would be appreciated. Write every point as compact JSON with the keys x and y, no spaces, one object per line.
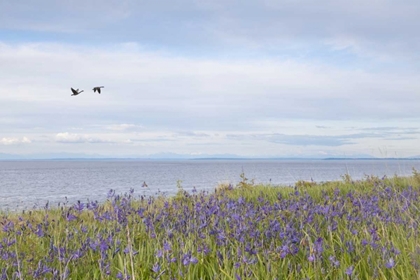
{"x":364,"y":229}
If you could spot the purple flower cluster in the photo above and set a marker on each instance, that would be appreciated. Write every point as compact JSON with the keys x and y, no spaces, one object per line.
{"x":210,"y":234}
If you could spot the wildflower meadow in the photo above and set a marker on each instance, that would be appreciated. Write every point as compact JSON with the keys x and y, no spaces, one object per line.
{"x":366,"y":229}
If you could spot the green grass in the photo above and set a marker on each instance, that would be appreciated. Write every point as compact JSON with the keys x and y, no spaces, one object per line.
{"x":367,"y":228}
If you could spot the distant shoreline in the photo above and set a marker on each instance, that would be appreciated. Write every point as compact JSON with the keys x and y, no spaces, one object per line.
{"x":196,"y":159}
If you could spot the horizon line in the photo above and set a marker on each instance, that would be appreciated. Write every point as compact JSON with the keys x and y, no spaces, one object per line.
{"x":208,"y":158}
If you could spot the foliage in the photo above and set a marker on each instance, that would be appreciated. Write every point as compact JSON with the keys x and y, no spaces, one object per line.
{"x":364,"y":229}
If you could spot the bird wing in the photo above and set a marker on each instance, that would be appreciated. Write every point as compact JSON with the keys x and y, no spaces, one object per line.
{"x":74,"y":91}
{"x":98,"y":89}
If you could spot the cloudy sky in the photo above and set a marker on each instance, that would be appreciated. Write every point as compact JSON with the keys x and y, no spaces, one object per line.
{"x":252,"y":78}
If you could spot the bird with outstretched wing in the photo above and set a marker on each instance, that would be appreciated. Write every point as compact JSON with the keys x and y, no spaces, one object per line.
{"x":75,"y":91}
{"x":97,"y":89}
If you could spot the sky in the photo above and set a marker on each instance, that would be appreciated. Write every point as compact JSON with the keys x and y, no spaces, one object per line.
{"x":190,"y":77}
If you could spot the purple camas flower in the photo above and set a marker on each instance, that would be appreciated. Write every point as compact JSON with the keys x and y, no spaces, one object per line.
{"x":374,"y":245}
{"x":185,"y":260}
{"x":284,"y":251}
{"x":188,"y":259}
{"x":8,"y":227}
{"x":156,"y":268}
{"x":93,"y":244}
{"x":249,"y":261}
{"x":206,"y":250}
{"x":92,"y":205}
{"x":79,"y":206}
{"x":394,"y":250}
{"x":350,"y":246}
{"x":5,"y":256}
{"x":105,"y":267}
{"x":334,"y":261}
{"x":70,"y":217}
{"x":126,"y":250}
{"x":334,"y":226}
{"x":111,"y":193}
{"x":349,"y":270}
{"x":319,"y":246}
{"x":106,"y":216}
{"x":390,"y":263}
{"x":103,"y":246}
{"x":39,"y":232}
{"x":167,"y":246}
{"x":41,"y":270}
{"x":77,"y":254}
{"x":61,"y":251}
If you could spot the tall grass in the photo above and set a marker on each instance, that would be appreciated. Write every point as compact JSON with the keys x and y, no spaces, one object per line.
{"x":347,"y":229}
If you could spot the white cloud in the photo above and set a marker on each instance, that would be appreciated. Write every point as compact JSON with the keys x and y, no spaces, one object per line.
{"x":123,"y":127}
{"x":151,"y":85}
{"x":187,"y":100}
{"x":14,"y":141}
{"x":283,"y":76}
{"x":65,"y":137}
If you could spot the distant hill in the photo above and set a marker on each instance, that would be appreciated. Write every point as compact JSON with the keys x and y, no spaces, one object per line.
{"x":358,"y":156}
{"x":4,"y":156}
{"x":74,"y":156}
{"x":175,"y":156}
{"x":9,"y":156}
{"x":415,"y":157}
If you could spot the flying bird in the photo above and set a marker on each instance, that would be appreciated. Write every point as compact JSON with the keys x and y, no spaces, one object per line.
{"x":97,"y":89}
{"x":144,"y":185}
{"x":76,"y":91}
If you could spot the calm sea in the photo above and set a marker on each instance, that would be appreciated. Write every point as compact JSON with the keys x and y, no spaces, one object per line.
{"x":28,"y":184}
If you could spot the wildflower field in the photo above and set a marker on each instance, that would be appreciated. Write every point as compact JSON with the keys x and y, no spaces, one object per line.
{"x":366,"y":229}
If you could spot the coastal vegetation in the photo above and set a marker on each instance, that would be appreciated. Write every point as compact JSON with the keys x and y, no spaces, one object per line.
{"x":365,"y":229}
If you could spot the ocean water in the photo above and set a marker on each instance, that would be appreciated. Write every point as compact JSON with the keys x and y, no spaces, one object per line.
{"x":31,"y":184}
